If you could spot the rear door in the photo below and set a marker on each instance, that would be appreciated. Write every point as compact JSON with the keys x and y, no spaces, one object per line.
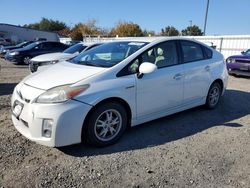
{"x":196,"y":70}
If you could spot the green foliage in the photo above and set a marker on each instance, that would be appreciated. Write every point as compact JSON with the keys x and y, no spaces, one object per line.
{"x":48,"y":25}
{"x":169,"y":31}
{"x":192,"y":31}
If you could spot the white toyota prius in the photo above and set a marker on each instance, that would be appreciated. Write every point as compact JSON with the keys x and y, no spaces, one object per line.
{"x":98,"y":94}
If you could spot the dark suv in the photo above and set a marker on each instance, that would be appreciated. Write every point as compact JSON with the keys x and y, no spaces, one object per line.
{"x":23,"y":55}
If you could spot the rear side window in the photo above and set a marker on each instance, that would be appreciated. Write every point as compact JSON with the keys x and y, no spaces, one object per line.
{"x":208,"y":52}
{"x":191,"y":51}
{"x":57,"y":46}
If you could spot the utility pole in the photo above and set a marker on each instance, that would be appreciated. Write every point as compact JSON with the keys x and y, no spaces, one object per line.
{"x":191,"y":23}
{"x":205,"y":23}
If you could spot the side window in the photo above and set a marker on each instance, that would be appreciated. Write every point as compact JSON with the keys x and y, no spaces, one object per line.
{"x":163,"y":55}
{"x":208,"y":53}
{"x":56,"y":46}
{"x":45,"y":46}
{"x":191,"y":51}
{"x":166,"y":54}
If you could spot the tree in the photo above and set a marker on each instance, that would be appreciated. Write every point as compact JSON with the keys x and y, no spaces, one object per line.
{"x":90,"y":28}
{"x":48,"y":25}
{"x":126,"y":29}
{"x":64,"y":32}
{"x":169,"y":31}
{"x":192,"y":31}
{"x":147,"y":33}
{"x":76,"y":33}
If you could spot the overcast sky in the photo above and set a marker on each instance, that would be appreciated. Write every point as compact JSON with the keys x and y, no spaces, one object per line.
{"x":224,"y":16}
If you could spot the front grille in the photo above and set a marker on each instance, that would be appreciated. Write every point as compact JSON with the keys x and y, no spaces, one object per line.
{"x":242,"y":61}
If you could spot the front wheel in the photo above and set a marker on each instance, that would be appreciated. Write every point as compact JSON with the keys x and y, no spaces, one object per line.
{"x":26,"y":60}
{"x":214,"y":95}
{"x":106,"y":124}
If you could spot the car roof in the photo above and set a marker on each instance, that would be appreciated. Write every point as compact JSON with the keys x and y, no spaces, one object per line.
{"x":142,"y":39}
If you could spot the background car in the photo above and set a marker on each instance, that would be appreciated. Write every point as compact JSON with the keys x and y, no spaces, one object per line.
{"x":23,"y":55}
{"x":239,"y":64}
{"x":4,"y":42}
{"x":102,"y":91}
{"x":5,"y":49}
{"x":52,"y":58}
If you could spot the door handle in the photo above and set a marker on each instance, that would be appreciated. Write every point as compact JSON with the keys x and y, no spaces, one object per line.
{"x":178,"y":76}
{"x":207,"y":68}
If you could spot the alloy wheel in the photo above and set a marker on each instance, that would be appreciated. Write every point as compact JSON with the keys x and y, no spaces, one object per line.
{"x":214,"y":96}
{"x":108,"y":125}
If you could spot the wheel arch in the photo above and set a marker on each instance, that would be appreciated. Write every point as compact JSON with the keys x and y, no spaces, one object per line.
{"x":108,"y":100}
{"x":219,"y":81}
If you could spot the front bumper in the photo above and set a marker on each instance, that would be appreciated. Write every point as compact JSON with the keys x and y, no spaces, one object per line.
{"x":15,"y":58}
{"x":239,"y":68}
{"x":68,"y":118}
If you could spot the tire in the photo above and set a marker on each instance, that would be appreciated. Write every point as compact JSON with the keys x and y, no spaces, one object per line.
{"x":213,"y":96}
{"x":105,"y":125}
{"x":26,"y":60}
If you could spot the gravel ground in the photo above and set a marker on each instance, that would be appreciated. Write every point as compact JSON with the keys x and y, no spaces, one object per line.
{"x":195,"y":148}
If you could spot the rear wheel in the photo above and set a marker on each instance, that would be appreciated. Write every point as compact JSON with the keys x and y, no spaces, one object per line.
{"x":214,"y":95}
{"x":106,"y":124}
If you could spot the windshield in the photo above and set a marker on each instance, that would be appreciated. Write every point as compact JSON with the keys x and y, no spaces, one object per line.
{"x":247,"y":52}
{"x":109,"y":54}
{"x":21,"y":44}
{"x":75,"y":48}
{"x":32,"y":45}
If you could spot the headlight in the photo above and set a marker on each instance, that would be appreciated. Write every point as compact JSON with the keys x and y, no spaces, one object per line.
{"x":54,"y":62}
{"x":230,"y":60}
{"x":13,"y":53}
{"x":61,"y":94}
{"x":47,"y":62}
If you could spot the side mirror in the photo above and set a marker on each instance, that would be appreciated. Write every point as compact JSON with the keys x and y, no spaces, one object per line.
{"x":36,"y":48}
{"x":146,"y":68}
{"x":242,"y":52}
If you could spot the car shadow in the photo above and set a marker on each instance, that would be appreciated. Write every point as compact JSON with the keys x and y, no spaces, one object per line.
{"x":233,"y":105}
{"x":240,"y":76}
{"x":7,"y":88}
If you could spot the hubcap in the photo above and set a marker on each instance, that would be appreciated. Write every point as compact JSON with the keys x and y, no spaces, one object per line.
{"x":108,"y":125}
{"x":214,"y":96}
{"x":26,"y":60}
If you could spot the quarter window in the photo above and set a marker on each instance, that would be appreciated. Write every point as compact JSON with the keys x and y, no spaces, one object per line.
{"x":191,"y":51}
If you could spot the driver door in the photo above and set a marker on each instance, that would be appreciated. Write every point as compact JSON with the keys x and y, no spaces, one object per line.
{"x":162,"y":90}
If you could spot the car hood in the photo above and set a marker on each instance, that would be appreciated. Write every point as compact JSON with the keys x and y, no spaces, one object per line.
{"x":53,"y":57}
{"x":61,"y":74}
{"x":244,"y":57}
{"x":10,"y":47}
{"x":18,"y":49}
